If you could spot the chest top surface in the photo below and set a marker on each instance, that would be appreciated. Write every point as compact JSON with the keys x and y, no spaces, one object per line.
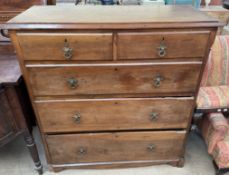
{"x":74,"y":17}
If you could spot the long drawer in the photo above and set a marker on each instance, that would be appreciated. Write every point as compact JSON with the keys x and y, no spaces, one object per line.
{"x":66,"y":46}
{"x":139,"y":78}
{"x":114,"y":114}
{"x":170,"y":44}
{"x":113,"y":147}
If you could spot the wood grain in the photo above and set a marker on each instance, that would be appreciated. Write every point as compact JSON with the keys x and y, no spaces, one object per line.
{"x":7,"y":126}
{"x":115,"y":79}
{"x":114,"y":114}
{"x":6,"y":16}
{"x":18,"y":5}
{"x":100,"y":16}
{"x":143,"y":45}
{"x":106,"y":147}
{"x":85,"y":46}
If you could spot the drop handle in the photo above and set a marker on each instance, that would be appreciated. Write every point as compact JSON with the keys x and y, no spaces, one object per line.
{"x":77,"y":118}
{"x":154,"y":116}
{"x":151,"y":147}
{"x":72,"y":83}
{"x":68,"y":52}
{"x":162,"y":48}
{"x":158,"y":80}
{"x":82,"y":151}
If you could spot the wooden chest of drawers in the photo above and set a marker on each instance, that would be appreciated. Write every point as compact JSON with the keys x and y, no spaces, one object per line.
{"x":113,"y":90}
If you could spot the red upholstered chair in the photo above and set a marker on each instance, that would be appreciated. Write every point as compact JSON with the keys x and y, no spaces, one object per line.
{"x":213,"y":102}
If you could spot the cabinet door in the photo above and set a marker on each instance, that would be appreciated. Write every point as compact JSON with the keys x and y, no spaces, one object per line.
{"x":7,"y":124}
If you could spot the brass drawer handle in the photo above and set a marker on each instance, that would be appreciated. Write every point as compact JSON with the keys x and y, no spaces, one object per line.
{"x":162,"y":48}
{"x":154,"y":116}
{"x":77,"y":118}
{"x":157,"y":80}
{"x":151,"y":147}
{"x":68,"y":52}
{"x":82,"y":151}
{"x":73,"y":83}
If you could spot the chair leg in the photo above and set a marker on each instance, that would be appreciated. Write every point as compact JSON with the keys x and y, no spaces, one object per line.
{"x":33,"y":152}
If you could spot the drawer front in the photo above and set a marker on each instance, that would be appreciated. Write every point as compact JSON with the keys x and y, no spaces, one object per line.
{"x":114,"y":114}
{"x":151,"y":45}
{"x":64,"y":46}
{"x":119,"y":79}
{"x":4,"y":17}
{"x":109,"y":147}
{"x":15,"y":5}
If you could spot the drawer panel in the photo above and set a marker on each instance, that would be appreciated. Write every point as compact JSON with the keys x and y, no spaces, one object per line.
{"x":119,"y":79}
{"x":152,"y":45}
{"x":78,"y":79}
{"x":64,"y":46}
{"x":109,"y":147}
{"x":114,"y":114}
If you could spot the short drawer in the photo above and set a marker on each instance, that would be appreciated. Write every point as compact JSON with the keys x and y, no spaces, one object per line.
{"x":153,"y":45}
{"x":66,"y":46}
{"x":114,"y":114}
{"x":113,"y":147}
{"x":100,"y":79}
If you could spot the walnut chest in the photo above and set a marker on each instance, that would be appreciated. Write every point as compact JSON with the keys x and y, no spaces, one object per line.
{"x":113,"y":86}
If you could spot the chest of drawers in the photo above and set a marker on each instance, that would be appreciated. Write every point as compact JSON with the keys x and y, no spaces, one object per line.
{"x":113,"y":86}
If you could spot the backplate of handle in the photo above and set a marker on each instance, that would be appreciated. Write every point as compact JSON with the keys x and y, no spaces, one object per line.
{"x":162,"y":48}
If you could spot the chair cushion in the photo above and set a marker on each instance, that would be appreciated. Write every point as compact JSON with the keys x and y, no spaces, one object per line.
{"x":216,"y":72}
{"x":221,"y":153}
{"x":214,"y":128}
{"x":213,"y":97}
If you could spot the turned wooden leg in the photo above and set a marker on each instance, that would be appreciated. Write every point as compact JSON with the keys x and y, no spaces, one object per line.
{"x":33,"y":151}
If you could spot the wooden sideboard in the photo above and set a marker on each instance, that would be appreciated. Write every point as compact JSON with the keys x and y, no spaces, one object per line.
{"x":15,"y":108}
{"x":113,"y":86}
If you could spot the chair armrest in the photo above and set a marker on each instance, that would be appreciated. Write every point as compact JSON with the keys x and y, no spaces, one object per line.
{"x":214,"y":129}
